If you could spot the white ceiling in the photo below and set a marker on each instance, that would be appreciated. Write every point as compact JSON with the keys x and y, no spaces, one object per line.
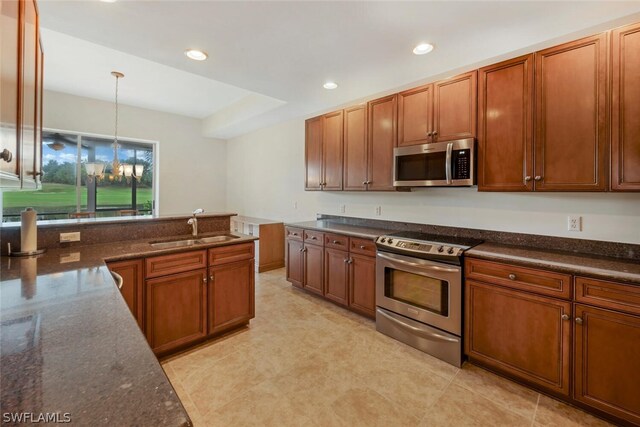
{"x":268,"y":60}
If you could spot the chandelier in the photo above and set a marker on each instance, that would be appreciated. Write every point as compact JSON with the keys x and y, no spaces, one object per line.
{"x":96,"y":170}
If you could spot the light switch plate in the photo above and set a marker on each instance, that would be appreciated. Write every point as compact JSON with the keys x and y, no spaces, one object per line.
{"x":70,"y":237}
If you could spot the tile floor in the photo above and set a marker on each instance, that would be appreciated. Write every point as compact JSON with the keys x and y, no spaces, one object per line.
{"x":304,"y":361}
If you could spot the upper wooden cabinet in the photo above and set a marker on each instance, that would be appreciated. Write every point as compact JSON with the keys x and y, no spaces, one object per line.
{"x":323,"y":151}
{"x":571,"y":116}
{"x":356,"y":156}
{"x":455,"y":108}
{"x":21,"y":95}
{"x":505,"y":125}
{"x":625,"y":109}
{"x":382,"y":140}
{"x":415,"y":116}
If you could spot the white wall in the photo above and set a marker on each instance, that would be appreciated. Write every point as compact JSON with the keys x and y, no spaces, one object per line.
{"x":265,"y":178}
{"x":192,"y":168}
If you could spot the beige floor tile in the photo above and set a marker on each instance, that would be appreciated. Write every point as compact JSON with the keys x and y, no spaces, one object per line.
{"x":501,"y":391}
{"x":552,"y":412}
{"x":460,"y":407}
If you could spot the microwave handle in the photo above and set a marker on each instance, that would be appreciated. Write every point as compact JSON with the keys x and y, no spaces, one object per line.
{"x":448,"y":172}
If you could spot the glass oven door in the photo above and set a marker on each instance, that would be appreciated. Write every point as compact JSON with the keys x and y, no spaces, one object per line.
{"x":427,"y":291}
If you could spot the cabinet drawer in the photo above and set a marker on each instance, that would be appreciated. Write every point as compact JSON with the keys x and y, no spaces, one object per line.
{"x":231,"y":253}
{"x":313,"y":237}
{"x":337,"y":241}
{"x":527,"y":279}
{"x":362,"y":246}
{"x":175,"y":263}
{"x":605,"y":294}
{"x":294,"y":233}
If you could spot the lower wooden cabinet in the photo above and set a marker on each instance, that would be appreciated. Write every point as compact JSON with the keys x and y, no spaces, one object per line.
{"x":132,"y":273}
{"x":176,"y":310}
{"x":312,"y":260}
{"x":362,"y":284}
{"x":607,"y":373}
{"x":231,"y":295}
{"x":335,"y":275}
{"x":525,"y":335}
{"x":295,"y":266}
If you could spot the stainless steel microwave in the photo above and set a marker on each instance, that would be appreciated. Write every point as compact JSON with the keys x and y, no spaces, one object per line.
{"x":439,"y":164}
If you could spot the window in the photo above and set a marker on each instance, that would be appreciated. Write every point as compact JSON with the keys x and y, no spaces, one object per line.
{"x":65,"y":187}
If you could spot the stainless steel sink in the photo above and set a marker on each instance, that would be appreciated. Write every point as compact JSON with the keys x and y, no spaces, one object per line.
{"x":174,"y":244}
{"x":191,"y":242}
{"x":214,"y":239}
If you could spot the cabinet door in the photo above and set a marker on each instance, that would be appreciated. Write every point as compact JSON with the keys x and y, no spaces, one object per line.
{"x":332,"y":151}
{"x":335,"y":275}
{"x":505,"y":126}
{"x":415,"y":116}
{"x":29,"y":119}
{"x":625,"y":109}
{"x":313,"y":153}
{"x":607,"y":372}
{"x":231,"y":295}
{"x":520,"y":334}
{"x":176,"y":310}
{"x":39,"y":110}
{"x":294,"y":262}
{"x":10,"y":71}
{"x":455,"y":108}
{"x":362,"y":284}
{"x":571,"y":115}
{"x":382,"y":136}
{"x":132,"y":286}
{"x":313,"y":265}
{"x":355,"y":148}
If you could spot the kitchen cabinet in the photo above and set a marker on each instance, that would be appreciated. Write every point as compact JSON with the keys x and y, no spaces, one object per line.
{"x":176,"y":310}
{"x":294,"y":258}
{"x":132,"y":273}
{"x":571,"y":116}
{"x":505,"y":125}
{"x":269,"y":248}
{"x":335,"y":275}
{"x":455,"y":108}
{"x":362,"y":280}
{"x":323,"y":152}
{"x":356,"y":149}
{"x":312,"y":259}
{"x":231,"y":295}
{"x":415,"y":116}
{"x":10,"y":69}
{"x":525,"y":335}
{"x":30,"y":85}
{"x":625,"y":109}
{"x":382,"y":135}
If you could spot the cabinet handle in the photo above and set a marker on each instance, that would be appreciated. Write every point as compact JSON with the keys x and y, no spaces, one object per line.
{"x":204,"y":280}
{"x":527,"y":178}
{"x":369,"y":182}
{"x":364,"y":182}
{"x":565,"y":317}
{"x":429,"y":133}
{"x":512,"y":276}
{"x":295,"y":234}
{"x":304,"y":249}
{"x":119,"y":279}
{"x":301,"y":249}
{"x":336,"y":242}
{"x":578,"y":320}
{"x":363,"y":247}
{"x":6,"y":155}
{"x":350,"y":261}
{"x":211,"y":278}
{"x":538,"y":178}
{"x":314,"y":238}
{"x":435,"y":133}
{"x":346,"y":260}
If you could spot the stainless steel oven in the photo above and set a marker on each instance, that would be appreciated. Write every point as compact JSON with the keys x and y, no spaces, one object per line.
{"x":440,"y":164}
{"x":419,"y":293}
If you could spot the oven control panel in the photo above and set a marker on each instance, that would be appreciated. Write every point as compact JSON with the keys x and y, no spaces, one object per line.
{"x":416,"y":246}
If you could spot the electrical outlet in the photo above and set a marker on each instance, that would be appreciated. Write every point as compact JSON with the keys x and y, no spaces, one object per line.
{"x":295,"y":205}
{"x":72,"y":257}
{"x":343,"y":208}
{"x":378,"y":210}
{"x":574,"y":223}
{"x":70,"y":237}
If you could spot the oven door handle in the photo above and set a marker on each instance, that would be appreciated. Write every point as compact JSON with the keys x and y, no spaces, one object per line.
{"x":416,"y":265}
{"x":448,"y":162}
{"x":430,"y":335}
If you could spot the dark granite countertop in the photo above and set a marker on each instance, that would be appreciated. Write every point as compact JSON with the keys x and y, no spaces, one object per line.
{"x":568,"y":262}
{"x":71,"y":345}
{"x":341,"y":228}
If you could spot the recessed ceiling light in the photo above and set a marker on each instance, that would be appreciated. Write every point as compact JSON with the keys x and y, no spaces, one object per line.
{"x":423,"y":48}
{"x":108,"y":1}
{"x":330,"y":85}
{"x":196,"y":55}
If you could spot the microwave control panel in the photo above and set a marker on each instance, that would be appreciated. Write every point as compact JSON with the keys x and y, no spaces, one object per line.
{"x":461,"y":160}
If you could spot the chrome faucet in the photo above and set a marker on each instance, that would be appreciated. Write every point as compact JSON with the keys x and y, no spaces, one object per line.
{"x":193,"y":222}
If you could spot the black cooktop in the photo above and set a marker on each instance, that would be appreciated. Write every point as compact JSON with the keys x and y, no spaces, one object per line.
{"x":436,"y":238}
